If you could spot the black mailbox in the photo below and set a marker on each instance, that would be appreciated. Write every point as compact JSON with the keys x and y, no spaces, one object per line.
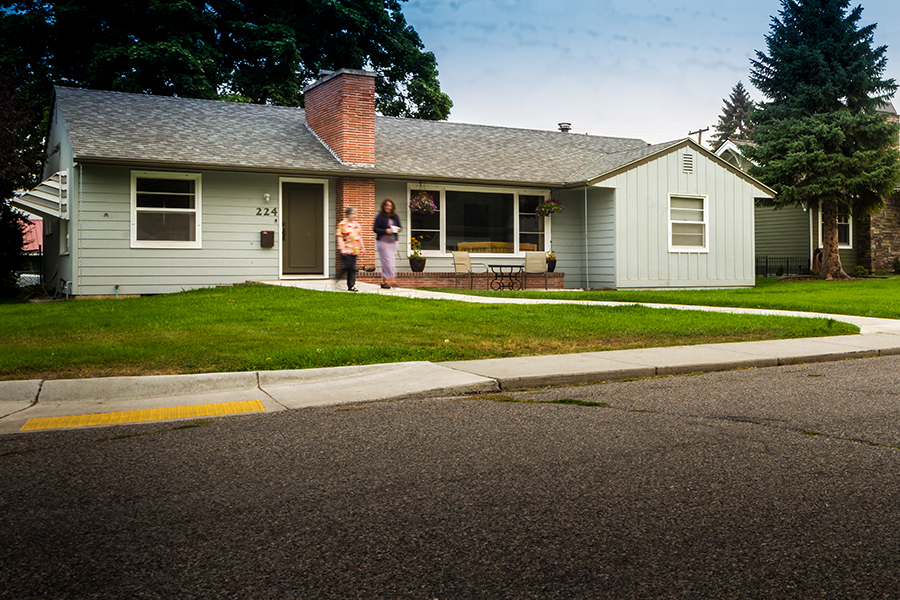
{"x":267,"y":239}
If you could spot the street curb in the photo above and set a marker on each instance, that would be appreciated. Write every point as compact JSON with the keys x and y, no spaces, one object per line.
{"x":154,"y":386}
{"x":288,"y":389}
{"x":616,"y":365}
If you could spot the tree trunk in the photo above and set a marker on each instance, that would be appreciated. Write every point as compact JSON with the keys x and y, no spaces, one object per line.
{"x":831,"y":257}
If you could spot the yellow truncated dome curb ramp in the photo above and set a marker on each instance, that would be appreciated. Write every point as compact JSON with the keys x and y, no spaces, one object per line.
{"x":149,"y":414}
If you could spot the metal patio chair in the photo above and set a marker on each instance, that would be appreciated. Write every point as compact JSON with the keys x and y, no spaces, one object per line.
{"x":535,"y":264}
{"x":462,"y":265}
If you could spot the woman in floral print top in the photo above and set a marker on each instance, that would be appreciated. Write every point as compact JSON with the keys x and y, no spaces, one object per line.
{"x":350,"y":245}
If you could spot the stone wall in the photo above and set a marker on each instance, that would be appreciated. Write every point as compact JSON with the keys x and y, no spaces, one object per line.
{"x":879,"y":238}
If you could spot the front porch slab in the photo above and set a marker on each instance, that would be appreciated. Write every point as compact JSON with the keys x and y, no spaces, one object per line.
{"x":449,"y":279}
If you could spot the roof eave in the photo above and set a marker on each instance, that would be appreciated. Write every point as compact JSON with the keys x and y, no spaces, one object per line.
{"x":674,"y":147}
{"x":345,"y":171}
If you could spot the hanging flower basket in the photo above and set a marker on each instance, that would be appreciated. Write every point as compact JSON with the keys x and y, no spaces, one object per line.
{"x":548,"y":207}
{"x":423,"y":202}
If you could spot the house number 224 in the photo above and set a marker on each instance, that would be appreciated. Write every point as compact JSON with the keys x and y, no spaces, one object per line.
{"x":266,"y":212}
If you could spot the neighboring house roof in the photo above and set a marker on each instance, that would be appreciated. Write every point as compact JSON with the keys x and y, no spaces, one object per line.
{"x":34,"y":235}
{"x":887,"y":108}
{"x":163,"y":131}
{"x":731,"y":152}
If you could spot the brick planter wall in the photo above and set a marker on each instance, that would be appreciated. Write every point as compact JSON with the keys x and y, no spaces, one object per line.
{"x":555,"y":281}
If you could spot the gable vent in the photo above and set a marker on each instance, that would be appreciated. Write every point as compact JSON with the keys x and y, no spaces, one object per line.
{"x":687,"y":162}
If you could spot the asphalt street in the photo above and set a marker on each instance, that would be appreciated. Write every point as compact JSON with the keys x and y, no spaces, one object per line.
{"x":778,"y":482}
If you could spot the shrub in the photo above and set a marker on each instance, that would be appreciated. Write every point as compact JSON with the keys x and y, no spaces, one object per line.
{"x":860,"y":271}
{"x":12,"y":233}
{"x":897,"y":265}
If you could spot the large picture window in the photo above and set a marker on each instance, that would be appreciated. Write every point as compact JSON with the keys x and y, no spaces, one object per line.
{"x":688,"y":224}
{"x":480,"y":221}
{"x":165,"y":210}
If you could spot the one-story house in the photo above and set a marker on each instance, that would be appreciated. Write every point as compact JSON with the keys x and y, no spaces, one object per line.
{"x":148,"y":194}
{"x":787,"y":238}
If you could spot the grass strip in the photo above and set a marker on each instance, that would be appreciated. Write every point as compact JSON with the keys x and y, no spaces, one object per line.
{"x":875,"y":297}
{"x":258,"y":327}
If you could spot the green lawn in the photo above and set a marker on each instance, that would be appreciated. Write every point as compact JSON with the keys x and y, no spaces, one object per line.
{"x":864,"y":297}
{"x":259,"y":327}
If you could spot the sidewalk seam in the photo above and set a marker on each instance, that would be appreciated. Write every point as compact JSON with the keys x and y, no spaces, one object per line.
{"x":270,"y":396}
{"x":31,"y":405}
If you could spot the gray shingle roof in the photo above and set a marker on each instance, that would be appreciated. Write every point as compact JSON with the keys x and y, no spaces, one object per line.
{"x":159,"y":130}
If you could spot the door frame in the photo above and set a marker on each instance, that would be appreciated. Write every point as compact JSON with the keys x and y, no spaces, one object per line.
{"x":326,"y":239}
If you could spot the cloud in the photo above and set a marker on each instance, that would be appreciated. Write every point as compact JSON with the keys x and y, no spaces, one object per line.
{"x":657,"y":66}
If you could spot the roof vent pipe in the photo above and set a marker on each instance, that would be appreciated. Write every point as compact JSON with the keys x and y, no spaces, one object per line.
{"x":565,"y":127}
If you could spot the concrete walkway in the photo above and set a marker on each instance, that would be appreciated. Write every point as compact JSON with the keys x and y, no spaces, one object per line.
{"x":39,"y":405}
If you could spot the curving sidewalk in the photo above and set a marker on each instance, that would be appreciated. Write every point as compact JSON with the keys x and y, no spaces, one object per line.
{"x":38,"y":405}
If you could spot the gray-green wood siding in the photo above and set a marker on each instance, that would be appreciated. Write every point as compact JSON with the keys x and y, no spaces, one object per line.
{"x":568,"y":233}
{"x":643,"y":259}
{"x":600,"y":240}
{"x":782,"y":233}
{"x":230,"y":253}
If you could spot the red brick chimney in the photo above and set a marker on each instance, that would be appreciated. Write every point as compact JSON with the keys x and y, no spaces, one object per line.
{"x":340,"y":110}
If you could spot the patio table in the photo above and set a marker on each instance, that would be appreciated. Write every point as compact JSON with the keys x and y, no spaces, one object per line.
{"x":506,"y":277}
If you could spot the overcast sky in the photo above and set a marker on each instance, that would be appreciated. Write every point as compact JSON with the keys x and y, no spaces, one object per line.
{"x":648,"y":69}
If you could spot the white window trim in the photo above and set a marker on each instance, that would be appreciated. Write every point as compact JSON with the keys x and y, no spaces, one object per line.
{"x":442,"y":206}
{"x":822,"y":232}
{"x":197,"y":242}
{"x":690,"y":249}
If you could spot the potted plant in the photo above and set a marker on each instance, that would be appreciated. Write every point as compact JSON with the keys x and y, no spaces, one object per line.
{"x":551,"y":260}
{"x":423,"y":202}
{"x":548,"y":207}
{"x":416,"y":259}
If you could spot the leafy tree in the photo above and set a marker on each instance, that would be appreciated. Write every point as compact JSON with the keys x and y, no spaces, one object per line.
{"x":819,"y":140}
{"x":734,"y":122}
{"x":19,"y":159}
{"x":266,"y":51}
{"x":273,"y":48}
{"x":262,"y":51}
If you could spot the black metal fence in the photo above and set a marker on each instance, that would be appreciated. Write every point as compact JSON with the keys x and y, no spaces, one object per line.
{"x":777,"y":266}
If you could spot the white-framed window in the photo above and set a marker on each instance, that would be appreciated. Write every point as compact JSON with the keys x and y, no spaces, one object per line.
{"x":845,"y":230}
{"x":480,"y":220}
{"x":688,"y":223}
{"x":165,"y":210}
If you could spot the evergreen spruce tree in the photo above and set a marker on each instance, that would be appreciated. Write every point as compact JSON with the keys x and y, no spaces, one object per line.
{"x":818,"y":140}
{"x":734,"y":122}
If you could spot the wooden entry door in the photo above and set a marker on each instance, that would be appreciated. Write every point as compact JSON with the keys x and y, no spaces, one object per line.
{"x":302,"y":229}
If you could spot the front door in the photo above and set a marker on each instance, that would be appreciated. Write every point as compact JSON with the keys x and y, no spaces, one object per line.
{"x":302,"y":229}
